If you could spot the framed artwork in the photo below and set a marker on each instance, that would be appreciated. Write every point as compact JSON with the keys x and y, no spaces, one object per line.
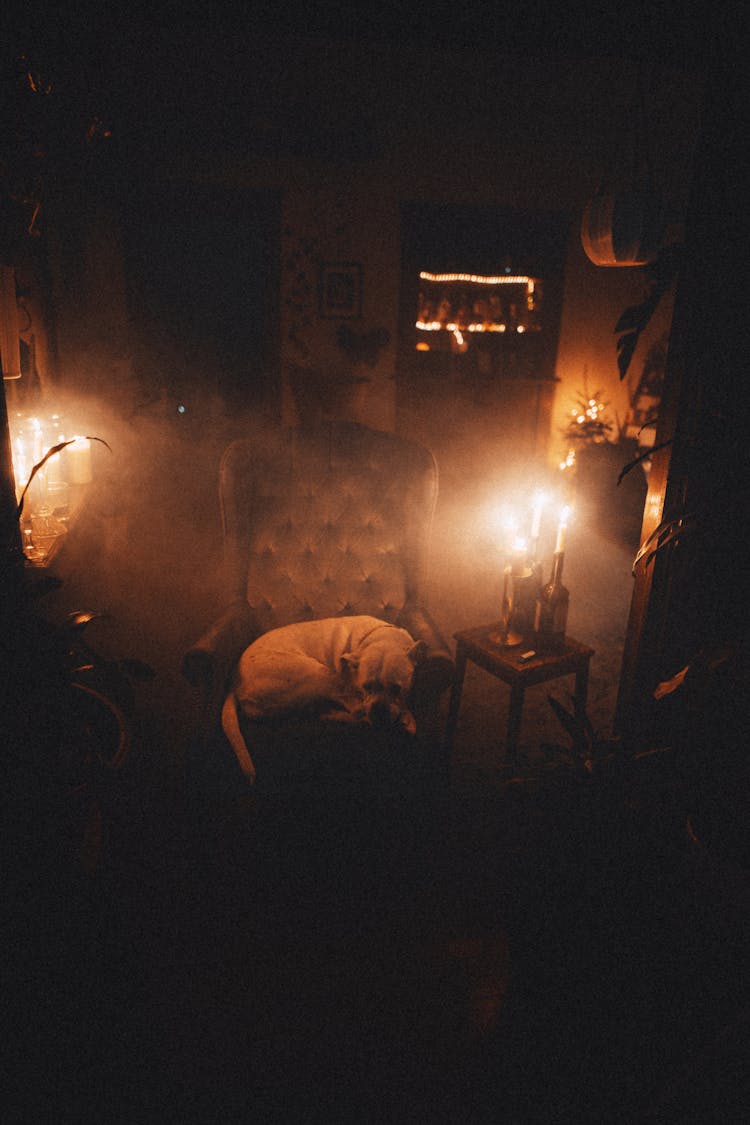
{"x":341,"y":290}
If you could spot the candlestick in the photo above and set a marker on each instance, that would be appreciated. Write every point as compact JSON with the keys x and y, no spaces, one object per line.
{"x":505,"y":636}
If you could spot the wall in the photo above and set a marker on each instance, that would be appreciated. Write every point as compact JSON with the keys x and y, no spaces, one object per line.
{"x":346,"y":135}
{"x":463,"y":127}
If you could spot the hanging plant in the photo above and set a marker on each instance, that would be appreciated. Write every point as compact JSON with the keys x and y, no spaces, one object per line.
{"x":623,"y":228}
{"x":623,"y":224}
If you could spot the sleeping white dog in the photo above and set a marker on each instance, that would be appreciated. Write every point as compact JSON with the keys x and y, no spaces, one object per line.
{"x":357,"y":668}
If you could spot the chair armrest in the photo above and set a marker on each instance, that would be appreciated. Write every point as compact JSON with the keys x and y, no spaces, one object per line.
{"x":435,"y":674}
{"x":207,"y":663}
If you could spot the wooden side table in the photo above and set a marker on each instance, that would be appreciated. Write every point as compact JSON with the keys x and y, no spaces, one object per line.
{"x":504,"y":663}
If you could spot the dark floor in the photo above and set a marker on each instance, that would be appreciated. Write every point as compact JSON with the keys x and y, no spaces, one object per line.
{"x":521,"y":946}
{"x":526,"y":952}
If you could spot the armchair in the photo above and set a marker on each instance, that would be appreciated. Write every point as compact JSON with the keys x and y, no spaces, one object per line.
{"x":319,"y":522}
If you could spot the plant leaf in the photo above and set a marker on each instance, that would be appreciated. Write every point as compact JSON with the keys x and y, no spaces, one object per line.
{"x":675,"y":533}
{"x":651,"y":539}
{"x":665,"y":523}
{"x":630,"y":319}
{"x":642,"y":457}
{"x":40,"y":465}
{"x":571,"y":723}
{"x":666,"y":687}
{"x":625,"y":348}
{"x":671,"y":529}
{"x":661,"y":273}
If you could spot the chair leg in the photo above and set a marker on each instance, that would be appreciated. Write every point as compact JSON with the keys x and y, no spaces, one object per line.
{"x":455,"y":700}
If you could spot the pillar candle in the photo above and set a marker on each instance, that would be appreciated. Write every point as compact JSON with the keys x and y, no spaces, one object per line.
{"x":561,"y":530}
{"x":536,"y":519}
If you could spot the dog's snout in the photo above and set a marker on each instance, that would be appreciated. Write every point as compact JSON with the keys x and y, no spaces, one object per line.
{"x":381,"y":713}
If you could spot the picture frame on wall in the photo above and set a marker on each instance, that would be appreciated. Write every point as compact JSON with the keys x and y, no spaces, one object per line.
{"x":340,"y":290}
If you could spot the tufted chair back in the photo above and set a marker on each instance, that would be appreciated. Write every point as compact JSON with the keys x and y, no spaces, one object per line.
{"x":326,"y":521}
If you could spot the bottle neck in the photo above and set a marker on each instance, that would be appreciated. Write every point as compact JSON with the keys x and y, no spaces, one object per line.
{"x":557,"y":568}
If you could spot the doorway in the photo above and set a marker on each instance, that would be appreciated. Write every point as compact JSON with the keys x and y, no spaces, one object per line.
{"x":203,"y":289}
{"x":479,"y":314}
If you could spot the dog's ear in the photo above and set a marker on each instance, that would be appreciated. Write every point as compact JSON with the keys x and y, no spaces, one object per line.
{"x":418,"y":652}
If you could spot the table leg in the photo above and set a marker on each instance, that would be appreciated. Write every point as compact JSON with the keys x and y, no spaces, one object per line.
{"x":455,"y":699}
{"x":514,"y":721}
{"x":582,"y":690}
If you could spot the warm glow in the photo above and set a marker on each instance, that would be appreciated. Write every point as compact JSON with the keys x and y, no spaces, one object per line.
{"x":509,"y":522}
{"x":21,"y":469}
{"x":79,"y":460}
{"x":569,"y":460}
{"x":31,"y":439}
{"x":475,"y":326}
{"x":502,"y":525}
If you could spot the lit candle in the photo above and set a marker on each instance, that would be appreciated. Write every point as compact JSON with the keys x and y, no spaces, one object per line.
{"x":536,"y":518}
{"x":79,"y":463}
{"x":561,"y":530}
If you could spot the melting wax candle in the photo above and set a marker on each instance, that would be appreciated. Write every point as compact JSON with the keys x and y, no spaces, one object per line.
{"x":562,"y":528}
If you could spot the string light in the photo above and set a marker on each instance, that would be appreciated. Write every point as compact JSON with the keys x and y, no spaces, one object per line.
{"x":480,"y":279}
{"x":436,"y":326}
